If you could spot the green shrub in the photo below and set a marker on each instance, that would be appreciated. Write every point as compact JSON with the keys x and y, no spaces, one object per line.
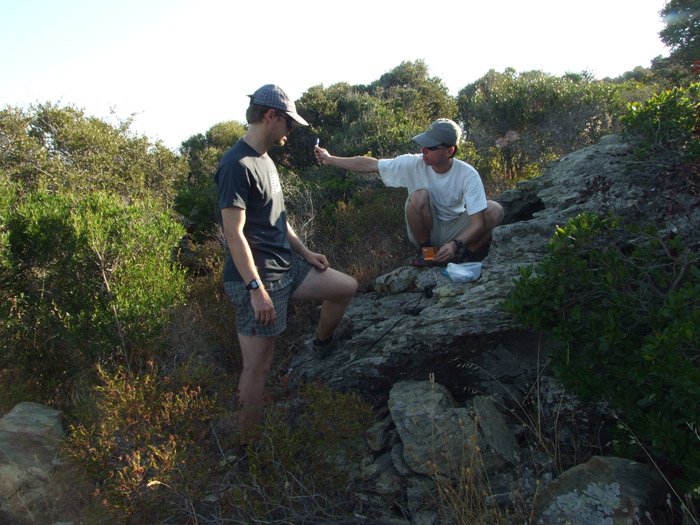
{"x":7,"y":198}
{"x":625,"y":304}
{"x":141,"y":439}
{"x":61,"y":148}
{"x":198,"y":205}
{"x":85,"y":278}
{"x":668,"y":121}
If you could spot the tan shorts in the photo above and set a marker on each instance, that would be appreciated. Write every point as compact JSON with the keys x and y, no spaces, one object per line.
{"x":441,"y":232}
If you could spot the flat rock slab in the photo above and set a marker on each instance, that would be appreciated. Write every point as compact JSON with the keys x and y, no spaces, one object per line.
{"x":29,"y":435}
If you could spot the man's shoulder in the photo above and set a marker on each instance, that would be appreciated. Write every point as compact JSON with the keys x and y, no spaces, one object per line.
{"x":240,"y":158}
{"x":464,"y":165}
{"x":239,"y":151}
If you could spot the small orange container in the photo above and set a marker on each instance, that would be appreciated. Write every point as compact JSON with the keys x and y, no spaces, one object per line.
{"x":429,"y":252}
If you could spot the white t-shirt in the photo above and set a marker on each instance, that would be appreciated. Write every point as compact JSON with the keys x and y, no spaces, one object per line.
{"x":453,"y":193}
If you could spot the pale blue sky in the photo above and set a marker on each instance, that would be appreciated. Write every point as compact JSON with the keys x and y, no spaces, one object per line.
{"x":182,"y":65}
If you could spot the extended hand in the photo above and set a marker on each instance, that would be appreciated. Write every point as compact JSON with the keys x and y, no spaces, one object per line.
{"x":322,"y":155}
{"x":446,"y":253}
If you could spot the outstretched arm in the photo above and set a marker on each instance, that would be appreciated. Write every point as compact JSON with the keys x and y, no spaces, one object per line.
{"x":358,"y":164}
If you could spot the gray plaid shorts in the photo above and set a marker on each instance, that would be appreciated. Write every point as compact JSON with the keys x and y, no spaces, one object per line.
{"x":279,"y":291}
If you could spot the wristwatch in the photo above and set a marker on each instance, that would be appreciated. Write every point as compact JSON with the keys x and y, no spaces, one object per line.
{"x":253,"y":285}
{"x":458,"y":243}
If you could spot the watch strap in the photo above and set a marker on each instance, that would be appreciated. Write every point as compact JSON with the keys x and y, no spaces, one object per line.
{"x":253,"y":285}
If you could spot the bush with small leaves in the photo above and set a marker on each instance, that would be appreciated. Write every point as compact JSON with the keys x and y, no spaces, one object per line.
{"x":667,"y":123}
{"x":85,"y":278}
{"x":624,"y":302}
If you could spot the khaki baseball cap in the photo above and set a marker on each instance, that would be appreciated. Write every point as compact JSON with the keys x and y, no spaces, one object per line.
{"x":442,"y":131}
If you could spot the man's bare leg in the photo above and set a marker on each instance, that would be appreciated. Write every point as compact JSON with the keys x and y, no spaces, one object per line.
{"x":257,"y":358}
{"x":418,"y":216}
{"x":493,"y":216}
{"x":335,"y":289}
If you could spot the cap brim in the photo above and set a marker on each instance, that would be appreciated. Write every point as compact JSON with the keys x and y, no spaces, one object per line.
{"x":298,"y":119}
{"x":424,"y":140}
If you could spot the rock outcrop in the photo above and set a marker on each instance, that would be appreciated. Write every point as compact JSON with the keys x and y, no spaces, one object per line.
{"x":456,"y":371}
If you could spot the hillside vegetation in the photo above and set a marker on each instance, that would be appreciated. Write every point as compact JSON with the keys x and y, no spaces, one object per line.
{"x":110,"y":261}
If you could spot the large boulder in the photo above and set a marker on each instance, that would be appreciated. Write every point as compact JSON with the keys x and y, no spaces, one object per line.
{"x":603,"y":490}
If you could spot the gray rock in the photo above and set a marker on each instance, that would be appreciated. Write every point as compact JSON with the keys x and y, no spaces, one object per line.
{"x":604,"y":490}
{"x":397,"y":281}
{"x":389,"y":482}
{"x":398,"y":460}
{"x":432,"y":349}
{"x":379,"y":465}
{"x":438,"y":436}
{"x":419,"y":492}
{"x":29,"y":435}
{"x":495,"y":430}
{"x":378,"y":435}
{"x":425,"y":517}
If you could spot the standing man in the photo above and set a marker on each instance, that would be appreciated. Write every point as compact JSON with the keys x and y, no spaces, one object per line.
{"x":267,"y":264}
{"x":446,"y":206}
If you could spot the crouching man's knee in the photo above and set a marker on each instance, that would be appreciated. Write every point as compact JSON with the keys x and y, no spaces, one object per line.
{"x":494,"y":214}
{"x":419,"y":200}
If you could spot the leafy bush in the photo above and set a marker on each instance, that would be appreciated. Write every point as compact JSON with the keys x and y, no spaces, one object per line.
{"x":525,"y":120}
{"x":83,"y":278}
{"x":667,"y":122}
{"x":60,"y":148}
{"x":382,"y":117}
{"x":625,"y":304}
{"x":142,"y":439}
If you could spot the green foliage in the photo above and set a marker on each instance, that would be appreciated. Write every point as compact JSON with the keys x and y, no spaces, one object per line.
{"x":668,"y":122}
{"x":529,"y":119}
{"x":203,"y":152}
{"x":142,"y":438}
{"x":83,"y":277}
{"x":625,"y":304}
{"x":59,"y":148}
{"x":423,"y":97}
{"x":682,"y":30}
{"x":382,"y":117}
{"x":8,"y":191}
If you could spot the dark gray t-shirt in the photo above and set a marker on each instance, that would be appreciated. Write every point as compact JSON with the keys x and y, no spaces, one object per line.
{"x":245,"y":179}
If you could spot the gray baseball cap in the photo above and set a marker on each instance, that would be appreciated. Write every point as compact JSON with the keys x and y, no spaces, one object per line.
{"x":274,"y":97}
{"x":442,"y":131}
